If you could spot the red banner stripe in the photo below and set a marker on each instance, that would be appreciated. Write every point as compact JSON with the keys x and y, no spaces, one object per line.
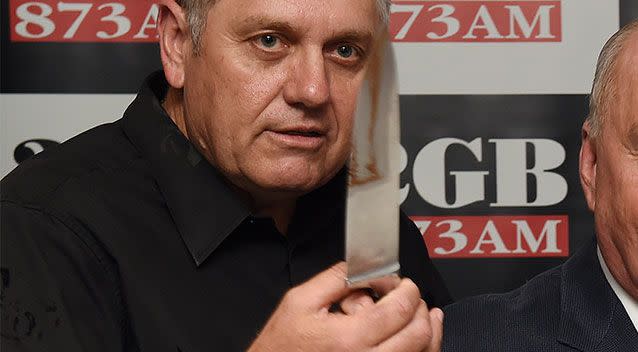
{"x":83,"y":21}
{"x":476,"y":21}
{"x":495,"y":236}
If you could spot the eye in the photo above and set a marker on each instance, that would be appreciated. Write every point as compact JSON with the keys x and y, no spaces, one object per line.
{"x":270,"y":43}
{"x":347,"y":54}
{"x":345,"y":51}
{"x":268,"y":40}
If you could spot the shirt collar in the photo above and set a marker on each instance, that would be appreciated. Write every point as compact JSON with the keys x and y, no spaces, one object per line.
{"x":203,"y":206}
{"x":630,"y":303}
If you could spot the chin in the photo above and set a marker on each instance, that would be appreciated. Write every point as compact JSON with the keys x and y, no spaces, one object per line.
{"x":292,"y":183}
{"x":297,"y":174}
{"x":298,"y":180}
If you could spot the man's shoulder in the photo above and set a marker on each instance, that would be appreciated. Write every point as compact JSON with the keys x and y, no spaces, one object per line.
{"x":417,"y":265}
{"x":539,"y":294}
{"x":77,"y":165}
{"x":526,"y":317}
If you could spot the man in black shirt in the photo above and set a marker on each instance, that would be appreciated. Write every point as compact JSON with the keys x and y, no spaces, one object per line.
{"x":210,"y":217}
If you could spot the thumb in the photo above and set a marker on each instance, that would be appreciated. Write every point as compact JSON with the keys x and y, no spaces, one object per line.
{"x":436,"y":323}
{"x":325,"y":288}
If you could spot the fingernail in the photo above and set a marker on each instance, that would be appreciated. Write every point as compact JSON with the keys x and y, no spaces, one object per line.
{"x":438,"y":313}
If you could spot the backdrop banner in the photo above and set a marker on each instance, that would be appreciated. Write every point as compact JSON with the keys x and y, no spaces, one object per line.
{"x":493,"y":95}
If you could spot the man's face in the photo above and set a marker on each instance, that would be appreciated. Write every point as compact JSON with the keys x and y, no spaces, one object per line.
{"x":614,"y":195}
{"x":271,"y":96}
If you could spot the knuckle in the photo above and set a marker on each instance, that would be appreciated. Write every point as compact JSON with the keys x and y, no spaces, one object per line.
{"x":404,"y":309}
{"x":379,"y":314}
{"x":412,"y":289}
{"x":365,"y":331}
{"x":419,"y":335}
{"x":422,"y":328}
{"x":338,"y":271}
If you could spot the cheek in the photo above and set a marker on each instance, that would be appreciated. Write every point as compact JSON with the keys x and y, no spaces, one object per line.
{"x":617,"y":204}
{"x":252,"y":96}
{"x":242,"y":93}
{"x":631,"y":192}
{"x":626,"y":230}
{"x":252,"y":85}
{"x":345,"y":93}
{"x":197,"y":109}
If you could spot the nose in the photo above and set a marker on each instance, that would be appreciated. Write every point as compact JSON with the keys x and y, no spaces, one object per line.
{"x":307,"y":82}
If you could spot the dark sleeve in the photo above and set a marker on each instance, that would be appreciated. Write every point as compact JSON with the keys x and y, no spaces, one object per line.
{"x":57,"y":294}
{"x":417,"y":265}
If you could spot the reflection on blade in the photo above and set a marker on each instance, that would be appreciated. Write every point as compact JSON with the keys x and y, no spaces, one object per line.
{"x":372,"y":208}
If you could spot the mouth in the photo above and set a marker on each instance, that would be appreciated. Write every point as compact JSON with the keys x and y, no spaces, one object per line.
{"x":302,"y":133}
{"x":298,"y":138}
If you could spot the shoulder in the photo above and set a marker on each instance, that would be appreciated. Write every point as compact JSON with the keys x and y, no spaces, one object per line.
{"x":417,"y":265}
{"x":522,"y":319}
{"x":77,"y":166}
{"x":410,"y":236}
{"x":47,"y":201}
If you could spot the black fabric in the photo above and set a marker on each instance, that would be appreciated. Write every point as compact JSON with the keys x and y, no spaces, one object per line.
{"x":568,"y":308}
{"x":125,"y":238}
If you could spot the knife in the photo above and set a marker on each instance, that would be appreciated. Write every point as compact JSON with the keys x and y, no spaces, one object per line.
{"x":372,"y":203}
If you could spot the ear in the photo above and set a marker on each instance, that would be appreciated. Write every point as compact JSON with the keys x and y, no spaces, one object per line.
{"x":587,"y":164}
{"x":174,"y":40}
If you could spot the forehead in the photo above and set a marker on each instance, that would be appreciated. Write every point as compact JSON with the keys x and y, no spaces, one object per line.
{"x":305,"y":15}
{"x":629,"y":58}
{"x":627,"y":81}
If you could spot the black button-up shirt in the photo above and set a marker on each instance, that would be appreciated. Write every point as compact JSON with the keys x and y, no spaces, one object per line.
{"x":125,"y":238}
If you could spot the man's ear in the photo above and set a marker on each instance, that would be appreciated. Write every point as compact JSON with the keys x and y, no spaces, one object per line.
{"x":174,"y":40}
{"x":587,"y":165}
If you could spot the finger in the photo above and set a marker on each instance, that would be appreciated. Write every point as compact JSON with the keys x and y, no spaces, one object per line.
{"x":383,"y":285}
{"x":356,"y":301}
{"x":436,"y":322}
{"x":325,"y":288}
{"x":417,"y":336}
{"x":390,"y":314}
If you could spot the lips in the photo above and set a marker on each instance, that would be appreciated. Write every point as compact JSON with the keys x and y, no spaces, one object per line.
{"x":302,"y":133}
{"x":306,"y":129}
{"x":298,"y":137}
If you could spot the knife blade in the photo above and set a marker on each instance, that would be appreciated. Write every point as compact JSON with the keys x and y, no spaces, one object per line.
{"x":372,"y":203}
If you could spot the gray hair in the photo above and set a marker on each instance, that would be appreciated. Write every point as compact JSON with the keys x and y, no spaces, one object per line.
{"x":605,"y":87}
{"x":196,"y":11}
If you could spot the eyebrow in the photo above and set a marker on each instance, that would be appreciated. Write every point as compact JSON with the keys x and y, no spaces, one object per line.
{"x":265,"y":22}
{"x":248,"y":24}
{"x":363,"y":37}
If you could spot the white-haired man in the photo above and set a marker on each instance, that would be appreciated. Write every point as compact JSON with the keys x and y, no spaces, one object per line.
{"x":210,"y":217}
{"x":590,"y":303}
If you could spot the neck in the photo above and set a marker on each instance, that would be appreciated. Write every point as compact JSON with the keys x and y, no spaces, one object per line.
{"x":173,"y":104}
{"x":280,"y":210}
{"x":281,"y":213}
{"x":618,"y":268}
